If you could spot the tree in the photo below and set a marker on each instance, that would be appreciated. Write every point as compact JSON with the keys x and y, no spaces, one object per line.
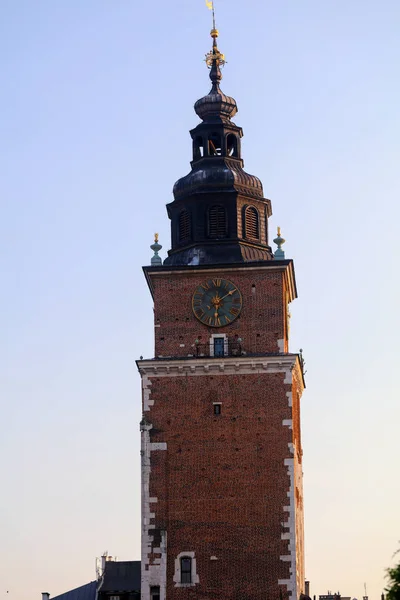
{"x":393,"y":589}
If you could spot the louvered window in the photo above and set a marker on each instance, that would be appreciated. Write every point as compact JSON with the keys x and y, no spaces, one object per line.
{"x":217,"y":222}
{"x":184,"y":226}
{"x":251,"y":223}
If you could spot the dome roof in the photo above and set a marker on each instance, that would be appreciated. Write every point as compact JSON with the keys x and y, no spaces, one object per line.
{"x":216,"y":105}
{"x":223,"y":174}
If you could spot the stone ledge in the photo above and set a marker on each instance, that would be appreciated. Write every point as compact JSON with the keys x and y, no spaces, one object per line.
{"x":224,"y":366}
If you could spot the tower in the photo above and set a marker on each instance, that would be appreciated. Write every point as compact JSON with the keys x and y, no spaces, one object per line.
{"x":222,"y":500}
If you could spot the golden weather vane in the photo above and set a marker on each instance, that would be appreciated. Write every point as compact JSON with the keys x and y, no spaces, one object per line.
{"x":210,"y":6}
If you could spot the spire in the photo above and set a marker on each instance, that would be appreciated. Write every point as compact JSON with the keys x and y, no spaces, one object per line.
{"x":219,"y":213}
{"x":215,"y":106}
{"x":215,"y":59}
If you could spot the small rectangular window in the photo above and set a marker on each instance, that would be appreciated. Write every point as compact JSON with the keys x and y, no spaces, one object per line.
{"x":219,"y":346}
{"x":155,"y":592}
{"x":217,"y":408}
{"x":186,"y":569}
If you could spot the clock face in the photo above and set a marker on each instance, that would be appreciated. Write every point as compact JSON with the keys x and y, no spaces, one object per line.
{"x":217,"y":302}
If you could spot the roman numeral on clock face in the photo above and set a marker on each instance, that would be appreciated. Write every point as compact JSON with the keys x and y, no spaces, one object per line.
{"x":216,"y":302}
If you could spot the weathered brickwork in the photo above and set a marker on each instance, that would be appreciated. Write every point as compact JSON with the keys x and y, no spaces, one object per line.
{"x":224,"y":489}
{"x":262,"y":323}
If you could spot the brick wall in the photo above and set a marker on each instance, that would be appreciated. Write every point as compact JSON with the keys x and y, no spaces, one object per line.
{"x":226,"y":482}
{"x":226,"y":488}
{"x":262,"y":322}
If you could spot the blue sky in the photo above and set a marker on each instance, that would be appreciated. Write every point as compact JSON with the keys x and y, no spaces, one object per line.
{"x":96,"y":107}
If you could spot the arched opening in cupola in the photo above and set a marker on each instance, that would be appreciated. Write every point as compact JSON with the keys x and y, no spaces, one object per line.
{"x":198,"y":147}
{"x":232,"y":145}
{"x":214,"y":144}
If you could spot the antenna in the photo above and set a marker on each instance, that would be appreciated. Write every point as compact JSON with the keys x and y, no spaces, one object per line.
{"x":365,"y":597}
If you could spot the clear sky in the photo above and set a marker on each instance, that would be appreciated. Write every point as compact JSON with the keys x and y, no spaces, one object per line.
{"x":96,"y":104}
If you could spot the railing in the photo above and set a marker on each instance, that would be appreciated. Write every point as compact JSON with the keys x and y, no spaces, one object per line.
{"x":217,"y":349}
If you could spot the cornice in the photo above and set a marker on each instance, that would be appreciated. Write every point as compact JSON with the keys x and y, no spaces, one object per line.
{"x":172,"y":367}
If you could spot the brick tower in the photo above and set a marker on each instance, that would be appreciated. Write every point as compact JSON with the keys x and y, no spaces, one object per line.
{"x":222,"y":500}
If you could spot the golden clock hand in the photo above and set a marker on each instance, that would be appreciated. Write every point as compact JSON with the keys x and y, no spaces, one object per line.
{"x":228,"y":294}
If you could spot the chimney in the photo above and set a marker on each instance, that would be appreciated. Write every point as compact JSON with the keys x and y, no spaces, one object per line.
{"x":307,"y":588}
{"x":45,"y":595}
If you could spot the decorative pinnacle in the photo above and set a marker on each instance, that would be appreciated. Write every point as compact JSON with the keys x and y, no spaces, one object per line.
{"x":156,"y":247}
{"x":279,"y":254}
{"x":215,"y":58}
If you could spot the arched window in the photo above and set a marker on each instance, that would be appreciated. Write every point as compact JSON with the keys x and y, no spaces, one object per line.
{"x":214,"y":144}
{"x":184,"y":226}
{"x":217,"y":222}
{"x":186,"y":569}
{"x":251,"y":223}
{"x":198,"y":148}
{"x":232,"y":146}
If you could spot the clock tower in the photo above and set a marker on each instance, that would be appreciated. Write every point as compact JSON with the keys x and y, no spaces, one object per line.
{"x":222,"y":498}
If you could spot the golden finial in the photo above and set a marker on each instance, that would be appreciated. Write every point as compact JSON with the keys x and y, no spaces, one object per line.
{"x":214,"y":35}
{"x":215,"y":57}
{"x":279,"y":232}
{"x":156,"y":238}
